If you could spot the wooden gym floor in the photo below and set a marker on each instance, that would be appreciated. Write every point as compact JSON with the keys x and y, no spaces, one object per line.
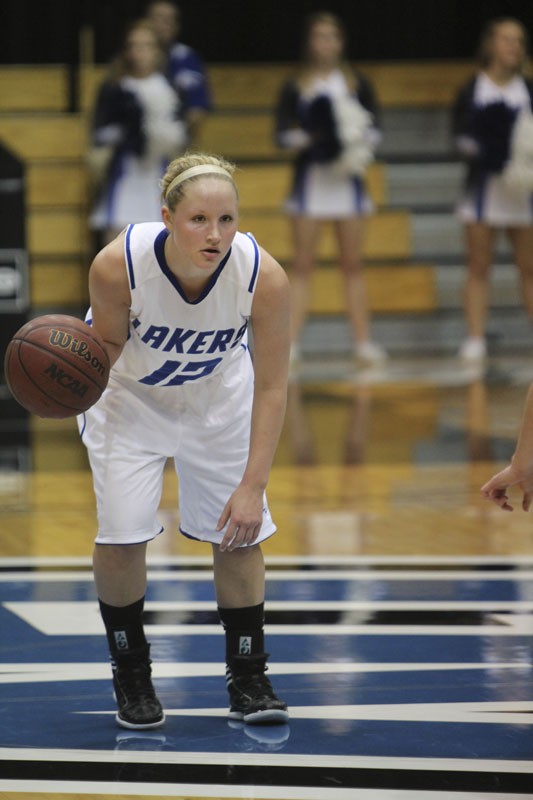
{"x":399,"y":610}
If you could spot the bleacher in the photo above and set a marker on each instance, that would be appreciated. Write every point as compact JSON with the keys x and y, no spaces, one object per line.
{"x":413,"y":251}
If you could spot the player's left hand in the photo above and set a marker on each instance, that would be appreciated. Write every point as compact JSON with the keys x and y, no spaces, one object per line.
{"x":242,"y":517}
{"x":496,"y":488}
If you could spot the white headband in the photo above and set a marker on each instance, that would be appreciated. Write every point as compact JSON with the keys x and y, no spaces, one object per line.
{"x":201,"y":169}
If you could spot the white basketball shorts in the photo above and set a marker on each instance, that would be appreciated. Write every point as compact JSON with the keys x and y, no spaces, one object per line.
{"x":204,"y":427}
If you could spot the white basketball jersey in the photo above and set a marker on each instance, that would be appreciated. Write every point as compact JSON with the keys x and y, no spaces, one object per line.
{"x":173,"y":341}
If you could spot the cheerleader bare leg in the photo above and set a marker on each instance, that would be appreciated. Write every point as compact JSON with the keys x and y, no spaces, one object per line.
{"x":305,"y":234}
{"x":350,"y":237}
{"x":480,"y":239}
{"x":521,"y":239}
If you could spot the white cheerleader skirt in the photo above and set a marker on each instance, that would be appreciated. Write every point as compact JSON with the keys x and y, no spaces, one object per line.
{"x":492,"y":202}
{"x":131,"y":195}
{"x":320,"y":191}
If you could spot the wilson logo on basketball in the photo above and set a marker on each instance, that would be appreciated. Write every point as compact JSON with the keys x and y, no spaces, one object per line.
{"x":68,"y":342}
{"x":67,"y":381}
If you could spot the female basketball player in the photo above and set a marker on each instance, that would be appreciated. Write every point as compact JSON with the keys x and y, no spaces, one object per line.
{"x":138,"y":126}
{"x":483,"y":120}
{"x":173,"y":302}
{"x":327,"y":115}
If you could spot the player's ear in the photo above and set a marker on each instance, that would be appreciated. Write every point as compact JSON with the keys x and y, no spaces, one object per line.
{"x":166,"y":216}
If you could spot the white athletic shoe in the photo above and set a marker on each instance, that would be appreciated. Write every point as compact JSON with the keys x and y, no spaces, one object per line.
{"x":473,"y":350}
{"x":370,"y":354}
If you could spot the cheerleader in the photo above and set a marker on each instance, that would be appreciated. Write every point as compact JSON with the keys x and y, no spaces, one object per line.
{"x":137,"y":127}
{"x":326,"y":115}
{"x":185,"y":67}
{"x":490,"y":116}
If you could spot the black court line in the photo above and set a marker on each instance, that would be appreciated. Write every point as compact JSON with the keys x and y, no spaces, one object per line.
{"x":268,"y":775}
{"x":340,"y":566}
{"x":332,"y":617}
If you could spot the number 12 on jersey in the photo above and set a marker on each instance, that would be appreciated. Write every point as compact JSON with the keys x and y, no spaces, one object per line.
{"x":174,"y":373}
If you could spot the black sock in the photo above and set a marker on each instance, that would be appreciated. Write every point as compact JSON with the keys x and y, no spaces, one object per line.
{"x":244,"y":630}
{"x":124,"y":626}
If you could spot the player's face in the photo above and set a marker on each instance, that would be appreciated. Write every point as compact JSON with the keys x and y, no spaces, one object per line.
{"x":325,"y":44}
{"x":142,"y":52}
{"x":165,"y":19}
{"x":204,"y":223}
{"x":508,"y":46}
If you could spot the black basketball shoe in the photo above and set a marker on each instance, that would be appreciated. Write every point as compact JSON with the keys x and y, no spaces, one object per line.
{"x":138,"y":706}
{"x":252,"y":697}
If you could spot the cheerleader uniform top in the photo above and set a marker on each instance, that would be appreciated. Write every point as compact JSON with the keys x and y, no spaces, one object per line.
{"x":141,"y":119}
{"x":483,"y":118}
{"x":334,"y":131}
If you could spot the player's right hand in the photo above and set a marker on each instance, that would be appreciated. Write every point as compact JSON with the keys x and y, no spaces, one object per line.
{"x":496,"y":488}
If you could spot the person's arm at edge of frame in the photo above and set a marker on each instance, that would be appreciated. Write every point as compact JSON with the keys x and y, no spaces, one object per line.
{"x":520,"y":471}
{"x":110,"y":296}
{"x":271,"y":341}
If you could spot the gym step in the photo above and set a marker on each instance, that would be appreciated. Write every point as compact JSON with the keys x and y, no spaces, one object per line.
{"x":416,"y":132}
{"x":42,"y":136}
{"x":441,"y":332}
{"x":440,"y":234}
{"x":418,"y":186}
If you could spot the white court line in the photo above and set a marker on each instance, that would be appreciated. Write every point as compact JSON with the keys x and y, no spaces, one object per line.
{"x":94,"y":671}
{"x":497,"y":713}
{"x":519,"y":627}
{"x":81,"y":607}
{"x":351,"y":605}
{"x":266,"y":759}
{"x":69,"y":619}
{"x":319,"y":560}
{"x":523,"y":628}
{"x":194,"y":790}
{"x":292,"y":575}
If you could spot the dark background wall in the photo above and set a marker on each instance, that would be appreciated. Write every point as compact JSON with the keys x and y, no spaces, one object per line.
{"x":247,"y":30}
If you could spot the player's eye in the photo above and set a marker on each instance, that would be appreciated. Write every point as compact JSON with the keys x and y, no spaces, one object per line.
{"x":226,"y":218}
{"x":198,"y":218}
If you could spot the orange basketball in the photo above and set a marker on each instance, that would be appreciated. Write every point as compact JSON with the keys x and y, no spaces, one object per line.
{"x":56,"y":366}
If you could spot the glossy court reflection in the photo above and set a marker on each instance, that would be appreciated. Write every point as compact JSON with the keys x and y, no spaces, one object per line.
{"x":399,"y":612}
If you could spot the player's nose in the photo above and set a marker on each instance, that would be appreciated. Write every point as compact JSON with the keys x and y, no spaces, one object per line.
{"x":213,"y":235}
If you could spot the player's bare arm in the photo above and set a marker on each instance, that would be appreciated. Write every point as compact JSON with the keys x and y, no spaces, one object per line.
{"x":270,"y":326}
{"x":271,"y":341}
{"x":110,"y":296}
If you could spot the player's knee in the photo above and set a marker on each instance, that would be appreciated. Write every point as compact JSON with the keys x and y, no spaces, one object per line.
{"x":118,"y":557}
{"x":240,"y":554}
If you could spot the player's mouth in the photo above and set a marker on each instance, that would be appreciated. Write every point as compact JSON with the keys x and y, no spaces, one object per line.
{"x":210,"y":252}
